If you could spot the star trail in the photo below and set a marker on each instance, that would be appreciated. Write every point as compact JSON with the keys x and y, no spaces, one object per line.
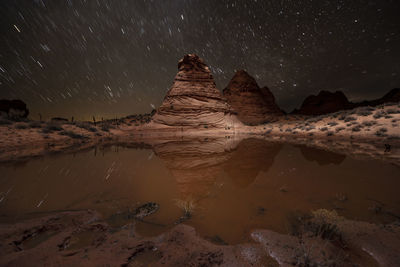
{"x":114,"y":58}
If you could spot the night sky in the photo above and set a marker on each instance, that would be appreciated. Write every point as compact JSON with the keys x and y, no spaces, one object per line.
{"x":114,"y":58}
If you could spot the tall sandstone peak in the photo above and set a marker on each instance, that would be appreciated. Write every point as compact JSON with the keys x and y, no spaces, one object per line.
{"x":253,"y":104}
{"x":193,"y":100}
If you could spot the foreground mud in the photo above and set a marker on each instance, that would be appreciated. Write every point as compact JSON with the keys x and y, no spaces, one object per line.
{"x":82,"y":238}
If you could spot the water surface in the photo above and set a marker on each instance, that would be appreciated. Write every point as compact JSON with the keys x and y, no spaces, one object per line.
{"x":229,"y":189}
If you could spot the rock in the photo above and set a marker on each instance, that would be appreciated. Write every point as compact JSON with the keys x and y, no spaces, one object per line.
{"x":323,"y":103}
{"x":14,"y":108}
{"x":253,"y":104}
{"x":146,"y":210}
{"x":393,"y":96}
{"x":193,"y":100}
{"x":327,"y":102}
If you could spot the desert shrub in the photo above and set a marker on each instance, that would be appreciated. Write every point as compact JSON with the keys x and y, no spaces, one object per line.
{"x":323,"y":129}
{"x":86,"y":125}
{"x":105,"y":127}
{"x":5,"y":121}
{"x":350,"y":118}
{"x":330,"y":133}
{"x":52,"y":127}
{"x":388,"y":116}
{"x":393,"y":111}
{"x":314,"y":120}
{"x":339,"y":129}
{"x":324,"y":224}
{"x":356,"y":128}
{"x":288,"y":130}
{"x":368,"y":123}
{"x":72,"y":134}
{"x":379,"y":114}
{"x":35,"y":124}
{"x":364,"y":111}
{"x":21,"y":126}
{"x":332,"y":123}
{"x":381,"y":132}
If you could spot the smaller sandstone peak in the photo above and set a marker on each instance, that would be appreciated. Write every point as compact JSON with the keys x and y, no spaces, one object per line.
{"x":192,"y":62}
{"x":242,"y":81}
{"x":253,"y":104}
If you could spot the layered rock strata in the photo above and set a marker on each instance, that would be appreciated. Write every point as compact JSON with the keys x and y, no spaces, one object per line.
{"x":194,"y":100}
{"x":253,"y":104}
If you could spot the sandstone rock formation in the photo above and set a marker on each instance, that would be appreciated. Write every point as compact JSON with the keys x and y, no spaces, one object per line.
{"x":13,"y":108}
{"x":193,"y":100}
{"x":253,"y":104}
{"x":323,"y":103}
{"x":392,"y":96}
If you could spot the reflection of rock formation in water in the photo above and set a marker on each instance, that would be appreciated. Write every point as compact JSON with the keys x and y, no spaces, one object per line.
{"x":322,"y":157}
{"x":250,"y":157}
{"x":196,"y":164}
{"x":193,"y":99}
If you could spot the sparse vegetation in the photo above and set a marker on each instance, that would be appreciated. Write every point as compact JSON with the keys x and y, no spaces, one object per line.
{"x":350,"y":118}
{"x":364,"y":111}
{"x":338,"y":129}
{"x":187,"y":207}
{"x":4,"y":121}
{"x":72,"y":134}
{"x":52,"y":127}
{"x":86,"y":125}
{"x":379,"y":114}
{"x":35,"y":124}
{"x":368,"y":123}
{"x":381,"y":132}
{"x":356,"y":128}
{"x":21,"y":126}
{"x":393,"y":111}
{"x":324,"y":224}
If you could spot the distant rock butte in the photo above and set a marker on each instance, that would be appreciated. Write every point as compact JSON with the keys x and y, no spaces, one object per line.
{"x":392,"y":96}
{"x":254,"y":105}
{"x":327,"y":102}
{"x":194,"y":100}
{"x":323,"y":103}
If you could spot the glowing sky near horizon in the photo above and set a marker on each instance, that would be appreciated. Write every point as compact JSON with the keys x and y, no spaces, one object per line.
{"x":113,"y":58}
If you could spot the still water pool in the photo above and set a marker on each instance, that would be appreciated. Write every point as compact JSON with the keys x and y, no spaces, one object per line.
{"x":224,"y":191}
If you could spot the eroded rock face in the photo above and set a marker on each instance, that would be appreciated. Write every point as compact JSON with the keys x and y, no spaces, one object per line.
{"x":193,"y":99}
{"x":253,"y":104}
{"x":323,"y":103}
{"x":393,"y":96}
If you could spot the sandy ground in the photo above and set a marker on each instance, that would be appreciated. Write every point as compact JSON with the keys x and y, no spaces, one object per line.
{"x":359,"y":132}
